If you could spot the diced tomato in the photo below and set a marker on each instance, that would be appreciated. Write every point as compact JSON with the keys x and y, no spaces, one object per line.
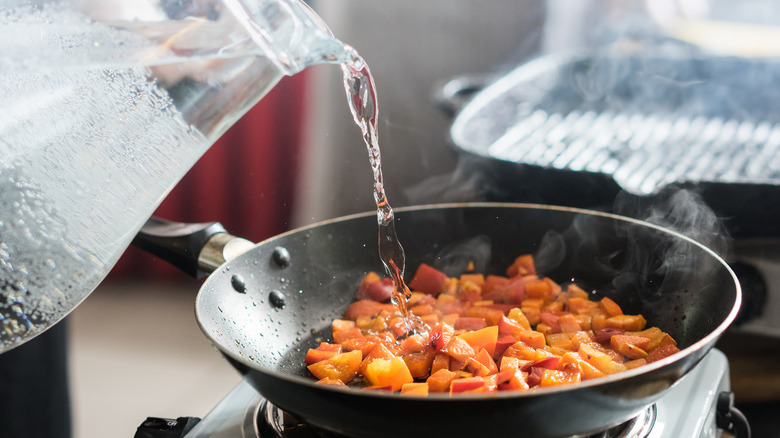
{"x":470,"y":323}
{"x":550,"y":363}
{"x":469,"y":294}
{"x":428,"y":280}
{"x":341,"y":336}
{"x":604,"y":335}
{"x":372,"y":287}
{"x":440,"y":336}
{"x":466,"y":384}
{"x":322,"y":352}
{"x":535,"y":375}
{"x":491,"y":316}
{"x":551,"y":320}
{"x":494,"y":284}
{"x":367,"y":308}
{"x":540,"y":335}
{"x":502,"y":343}
{"x":617,"y":340}
{"x":365,"y":345}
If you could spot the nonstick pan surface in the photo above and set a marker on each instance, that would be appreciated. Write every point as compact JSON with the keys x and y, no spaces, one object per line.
{"x":264,"y":309}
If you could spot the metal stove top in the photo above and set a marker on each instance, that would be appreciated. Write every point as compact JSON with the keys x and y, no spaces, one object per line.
{"x":686,"y":410}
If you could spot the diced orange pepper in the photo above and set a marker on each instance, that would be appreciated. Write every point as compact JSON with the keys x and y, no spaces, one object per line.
{"x":329,"y":381}
{"x":440,"y":361}
{"x":440,"y":380}
{"x":556,"y":377}
{"x":517,"y":315}
{"x":512,"y":379}
{"x":485,"y":338}
{"x":610,"y":307}
{"x":343,"y":366}
{"x":576,"y":291}
{"x":523,"y":265}
{"x":419,"y":389}
{"x":379,"y":352}
{"x":419,"y":362}
{"x":477,"y":279}
{"x":661,"y":352}
{"x":626,"y":322}
{"x":533,"y":338}
{"x":560,"y":340}
{"x":539,"y":289}
{"x":388,"y":372}
{"x":342,"y":335}
{"x":569,"y":324}
{"x":458,"y":349}
{"x":521,"y":350}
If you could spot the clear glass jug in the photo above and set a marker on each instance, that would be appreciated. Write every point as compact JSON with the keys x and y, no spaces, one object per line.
{"x":104,"y":106}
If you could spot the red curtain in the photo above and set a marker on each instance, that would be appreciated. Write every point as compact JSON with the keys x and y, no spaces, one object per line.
{"x":246,"y":180}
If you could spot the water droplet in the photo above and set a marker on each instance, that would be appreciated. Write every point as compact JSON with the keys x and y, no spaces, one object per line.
{"x":238,"y":283}
{"x":276,"y":299}
{"x":281,"y":257}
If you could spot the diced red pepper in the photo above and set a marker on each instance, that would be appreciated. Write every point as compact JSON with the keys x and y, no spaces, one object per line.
{"x":427,"y":279}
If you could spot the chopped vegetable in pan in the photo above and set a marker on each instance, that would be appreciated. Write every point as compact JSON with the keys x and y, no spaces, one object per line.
{"x":485,"y":333}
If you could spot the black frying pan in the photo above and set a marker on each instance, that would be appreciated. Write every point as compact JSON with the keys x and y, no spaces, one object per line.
{"x":263,"y":310}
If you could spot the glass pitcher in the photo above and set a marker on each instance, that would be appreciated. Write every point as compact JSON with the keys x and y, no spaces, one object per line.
{"x":104,"y":106}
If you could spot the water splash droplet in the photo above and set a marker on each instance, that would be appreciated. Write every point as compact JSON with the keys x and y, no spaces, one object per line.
{"x":277,"y":299}
{"x":238,"y":283}
{"x":281,"y":256}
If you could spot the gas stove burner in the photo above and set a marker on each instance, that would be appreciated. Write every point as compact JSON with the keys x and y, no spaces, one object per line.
{"x":275,"y":422}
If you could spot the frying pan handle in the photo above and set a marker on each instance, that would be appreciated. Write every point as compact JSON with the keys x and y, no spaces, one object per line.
{"x":729,"y":418}
{"x":197,"y":249}
{"x":455,"y":93}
